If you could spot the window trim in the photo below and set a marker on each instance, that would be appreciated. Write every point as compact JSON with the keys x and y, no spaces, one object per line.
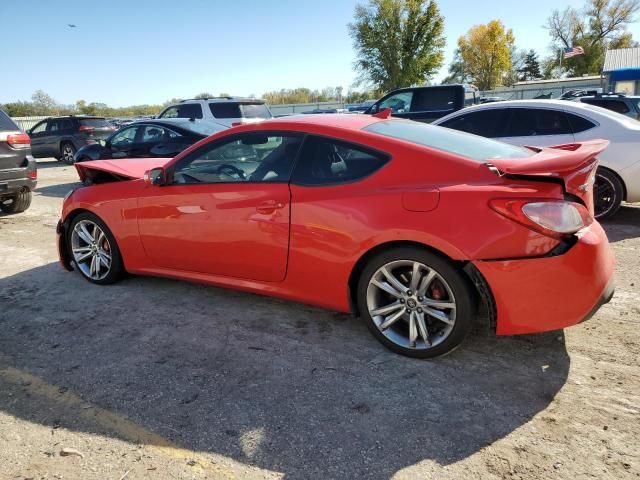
{"x":386,"y":155}
{"x":169,"y":172}
{"x":593,"y":121}
{"x":546,"y":108}
{"x":463,"y":112}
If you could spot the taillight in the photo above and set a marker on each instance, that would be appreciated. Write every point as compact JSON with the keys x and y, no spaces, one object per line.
{"x":32,"y":174}
{"x":18,"y":140}
{"x":554,"y":218}
{"x":86,"y":129}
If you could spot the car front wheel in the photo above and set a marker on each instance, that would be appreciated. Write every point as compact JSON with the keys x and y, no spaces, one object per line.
{"x":94,"y":250}
{"x":415,"y":302}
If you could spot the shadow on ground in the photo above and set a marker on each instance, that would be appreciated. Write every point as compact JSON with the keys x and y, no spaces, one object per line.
{"x":57,"y":190}
{"x":624,"y":224}
{"x":282,"y":386}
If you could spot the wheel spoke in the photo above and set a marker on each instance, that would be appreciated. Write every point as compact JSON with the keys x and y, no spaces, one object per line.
{"x":393,"y":281}
{"x":415,"y":277}
{"x":429,"y":302}
{"x":438,"y":315}
{"x":387,"y":309}
{"x":391,"y":320}
{"x":92,"y":268}
{"x":83,"y":257}
{"x":422,"y":327}
{"x":387,"y":288}
{"x":84,"y":234}
{"x":413,"y":330}
{"x":426,"y":281}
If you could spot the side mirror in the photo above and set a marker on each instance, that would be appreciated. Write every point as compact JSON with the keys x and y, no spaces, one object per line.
{"x":155,"y":176}
{"x":103,"y":143}
{"x":28,"y":131}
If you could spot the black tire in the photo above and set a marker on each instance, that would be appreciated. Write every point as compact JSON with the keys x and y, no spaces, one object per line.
{"x":67,"y":151}
{"x":17,"y":203}
{"x":116,"y":270}
{"x":463,"y":292}
{"x":607,"y":193}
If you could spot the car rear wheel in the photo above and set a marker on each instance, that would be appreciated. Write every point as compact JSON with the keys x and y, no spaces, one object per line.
{"x":67,"y":151}
{"x":415,"y":302}
{"x":16,"y":203}
{"x":607,"y":193}
{"x":94,"y":250}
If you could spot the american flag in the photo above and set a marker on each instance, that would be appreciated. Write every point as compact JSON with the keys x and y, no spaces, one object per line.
{"x":572,"y":52}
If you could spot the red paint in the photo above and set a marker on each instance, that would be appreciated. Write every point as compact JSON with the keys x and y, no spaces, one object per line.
{"x":302,"y":243}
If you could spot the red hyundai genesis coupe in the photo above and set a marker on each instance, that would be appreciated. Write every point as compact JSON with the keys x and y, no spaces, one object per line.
{"x":418,"y":229}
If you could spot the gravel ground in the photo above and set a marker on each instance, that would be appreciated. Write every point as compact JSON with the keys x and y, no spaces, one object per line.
{"x":154,"y":378}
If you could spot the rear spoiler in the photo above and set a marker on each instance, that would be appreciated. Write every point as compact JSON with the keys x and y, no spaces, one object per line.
{"x":547,"y":161}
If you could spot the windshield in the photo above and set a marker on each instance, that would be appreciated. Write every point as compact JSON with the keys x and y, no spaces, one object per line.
{"x":465,"y":144}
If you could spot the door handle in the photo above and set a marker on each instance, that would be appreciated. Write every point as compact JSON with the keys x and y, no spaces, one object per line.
{"x":269,"y":207}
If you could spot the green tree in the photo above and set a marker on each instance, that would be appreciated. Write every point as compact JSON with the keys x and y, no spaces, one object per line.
{"x":204,"y":95}
{"x":530,"y":69}
{"x":398,"y":43}
{"x":43,"y":103}
{"x":598,"y":26}
{"x":486,"y":53}
{"x":457,"y":71}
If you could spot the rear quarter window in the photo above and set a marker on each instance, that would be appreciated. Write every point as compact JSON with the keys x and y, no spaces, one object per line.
{"x":225,"y":110}
{"x":6,"y":123}
{"x":94,"y":122}
{"x":578,"y":123}
{"x":464,"y":144}
{"x":613,"y":105}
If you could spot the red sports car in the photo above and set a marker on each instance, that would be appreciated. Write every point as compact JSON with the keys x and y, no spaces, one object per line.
{"x":416,"y":228}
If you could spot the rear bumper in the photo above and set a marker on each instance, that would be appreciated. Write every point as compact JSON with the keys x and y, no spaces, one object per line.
{"x":550,"y":293}
{"x":14,"y":185}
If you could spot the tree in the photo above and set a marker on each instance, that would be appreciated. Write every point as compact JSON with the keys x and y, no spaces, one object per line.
{"x":398,"y":43}
{"x":457,"y":71}
{"x":203,"y":96}
{"x":598,"y":26}
{"x":530,"y":69}
{"x":486,"y":53}
{"x":517,"y":63}
{"x":43,"y":103}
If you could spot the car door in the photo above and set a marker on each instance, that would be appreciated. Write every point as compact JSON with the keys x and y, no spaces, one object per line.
{"x":51,"y":140}
{"x":540,"y":127}
{"x":121,"y":144}
{"x":38,"y":135}
{"x":224,"y":209}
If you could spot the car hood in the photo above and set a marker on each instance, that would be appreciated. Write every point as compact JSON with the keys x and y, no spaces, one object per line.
{"x":128,"y":168}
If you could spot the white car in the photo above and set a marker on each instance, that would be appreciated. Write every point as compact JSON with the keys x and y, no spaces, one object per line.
{"x":553,"y":122}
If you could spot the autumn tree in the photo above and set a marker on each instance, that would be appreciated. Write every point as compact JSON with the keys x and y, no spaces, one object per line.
{"x":598,"y":26}
{"x":398,"y":43}
{"x":486,"y":53}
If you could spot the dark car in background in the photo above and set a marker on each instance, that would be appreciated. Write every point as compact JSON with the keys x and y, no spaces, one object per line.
{"x":616,"y":102}
{"x":18,"y":173}
{"x":426,"y":104}
{"x":62,"y":137}
{"x":150,"y":138}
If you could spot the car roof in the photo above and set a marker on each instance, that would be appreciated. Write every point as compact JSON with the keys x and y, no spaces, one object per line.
{"x":343,"y":121}
{"x":221,"y":100}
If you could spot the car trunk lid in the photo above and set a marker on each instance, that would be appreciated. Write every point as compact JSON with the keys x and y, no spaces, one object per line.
{"x":572,"y":164}
{"x":128,"y":169}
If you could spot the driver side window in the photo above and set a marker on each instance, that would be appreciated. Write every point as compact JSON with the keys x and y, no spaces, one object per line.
{"x":398,"y":103}
{"x":248,"y":157}
{"x":124,"y":137}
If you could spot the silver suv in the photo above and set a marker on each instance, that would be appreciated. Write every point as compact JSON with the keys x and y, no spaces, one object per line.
{"x":229,"y":111}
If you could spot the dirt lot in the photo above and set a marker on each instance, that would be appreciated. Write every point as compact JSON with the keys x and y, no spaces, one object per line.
{"x":160,"y":379}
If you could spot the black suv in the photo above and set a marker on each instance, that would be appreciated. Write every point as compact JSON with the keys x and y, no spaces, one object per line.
{"x":426,"y":104}
{"x":62,"y":137}
{"x":18,"y":172}
{"x":616,"y":102}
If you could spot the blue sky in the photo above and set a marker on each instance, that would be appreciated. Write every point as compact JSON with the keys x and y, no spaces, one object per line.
{"x":127,"y":52}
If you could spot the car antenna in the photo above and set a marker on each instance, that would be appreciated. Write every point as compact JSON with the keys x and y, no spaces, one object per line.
{"x":384,"y":114}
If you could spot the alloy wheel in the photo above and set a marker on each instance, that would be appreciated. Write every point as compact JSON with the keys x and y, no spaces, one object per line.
{"x":604,"y":195}
{"x":411,"y":304}
{"x":67,"y":154}
{"x":91,"y":250}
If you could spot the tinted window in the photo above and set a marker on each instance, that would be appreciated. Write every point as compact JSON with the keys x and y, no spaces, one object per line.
{"x":94,"y":122}
{"x":184,"y":110}
{"x":524,"y":122}
{"x":65,"y":124}
{"x":124,"y":137}
{"x":54,"y":126}
{"x":225,"y":110}
{"x":614,"y":105}
{"x":155,"y":134}
{"x":434,"y":99}
{"x":447,"y":140}
{"x":39,"y":128}
{"x":398,"y":103}
{"x":486,"y":123}
{"x":203,"y":127}
{"x":327,"y":162}
{"x":254,"y":110}
{"x":579,"y":124}
{"x":6,"y":123}
{"x":249,"y":157}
